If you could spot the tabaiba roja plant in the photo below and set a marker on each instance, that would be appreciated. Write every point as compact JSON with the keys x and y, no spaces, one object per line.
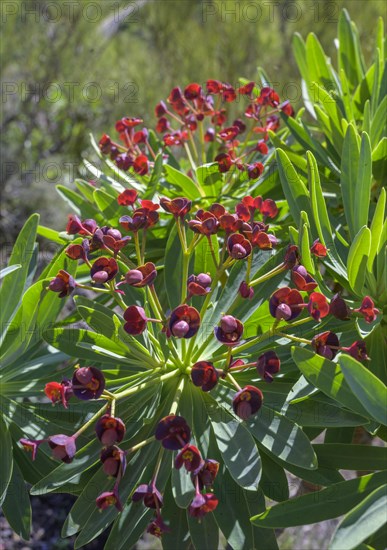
{"x":186,"y":369}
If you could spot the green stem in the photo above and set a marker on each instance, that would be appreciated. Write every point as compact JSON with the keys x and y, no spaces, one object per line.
{"x":94,"y":289}
{"x":233,"y":381}
{"x":144,"y":385}
{"x":212,"y":252}
{"x":140,"y":445}
{"x":187,"y":150}
{"x":178,"y":393}
{"x":184,"y":277}
{"x":294,"y":338}
{"x":91,"y":421}
{"x":269,"y":275}
{"x":137,"y":247}
{"x":181,"y":233}
{"x":143,"y":242}
{"x":158,"y":464}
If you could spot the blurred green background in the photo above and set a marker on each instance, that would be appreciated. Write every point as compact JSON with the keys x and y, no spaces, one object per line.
{"x":74,"y":67}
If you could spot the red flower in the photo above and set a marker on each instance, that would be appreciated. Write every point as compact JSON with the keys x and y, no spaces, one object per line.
{"x":228,"y":93}
{"x":88,"y":383}
{"x":77,"y":251}
{"x":178,"y":207}
{"x":204,"y":375}
{"x":302,"y":279}
{"x":247,"y":88}
{"x":247,"y":402}
{"x":184,"y":322}
{"x":59,"y":392}
{"x":214,"y":87}
{"x":157,"y":527}
{"x":128,"y":197}
{"x":358,"y":350}
{"x":262,"y":147}
{"x":190,"y":457}
{"x":287,"y":108}
{"x":268,"y":96}
{"x":202,"y":505}
{"x":286,"y":303}
{"x":162,"y":125}
{"x":110,"y":429}
{"x":144,"y":275}
{"x":205,"y":223}
{"x":63,"y":447}
{"x":255,"y":170}
{"x":141,"y":165}
{"x":127,"y":122}
{"x":230,"y":330}
{"x":238,"y":247}
{"x":105,"y":144}
{"x":199,"y":285}
{"x":173,"y":432}
{"x":268,"y":364}
{"x":109,"y":498}
{"x":192,"y":91}
{"x":318,"y":249}
{"x":62,"y":283}
{"x":228,"y":134}
{"x":368,"y":310}
{"x":326,"y":344}
{"x":160,"y":109}
{"x":114,"y":461}
{"x":136,"y":320}
{"x":175,"y":95}
{"x":224,"y":162}
{"x":31,"y":445}
{"x":103,"y":270}
{"x":268,"y":208}
{"x":318,"y":306}
{"x":74,"y":226}
{"x":209,"y":136}
{"x":207,"y":474}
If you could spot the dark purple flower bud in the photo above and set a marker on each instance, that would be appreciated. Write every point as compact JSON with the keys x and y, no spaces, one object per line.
{"x":149,"y":494}
{"x":245,"y":290}
{"x":88,"y":383}
{"x":238,"y":247}
{"x":173,"y":432}
{"x":199,"y":285}
{"x":110,"y":429}
{"x":144,"y":275}
{"x":136,"y":320}
{"x":338,"y":308}
{"x":292,"y":256}
{"x":178,"y":207}
{"x":247,"y":402}
{"x":103,"y":270}
{"x":63,"y":447}
{"x":230,"y":330}
{"x":268,"y":364}
{"x":76,"y":252}
{"x":204,"y":375}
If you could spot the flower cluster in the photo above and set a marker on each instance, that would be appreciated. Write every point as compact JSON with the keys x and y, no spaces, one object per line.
{"x":198,"y":118}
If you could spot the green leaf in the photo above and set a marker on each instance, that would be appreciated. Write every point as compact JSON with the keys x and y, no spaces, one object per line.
{"x":379,"y":162}
{"x":178,"y":536}
{"x":210,"y":179}
{"x":12,"y":288}
{"x":7,"y":270}
{"x":376,"y":228}
{"x":185,"y":185}
{"x":357,"y":259}
{"x":329,"y":503}
{"x":319,"y":66}
{"x":327,"y":376}
{"x":238,"y":449}
{"x":52,"y":235}
{"x":351,"y":457}
{"x":204,"y":535}
{"x":379,"y":122}
{"x":203,"y":262}
{"x":362,"y":521}
{"x":282,"y":437}
{"x":304,"y":245}
{"x":274,"y":482}
{"x":349,"y":173}
{"x":363,"y":184}
{"x":173,"y":273}
{"x":108,"y":206}
{"x":320,"y":414}
{"x":349,"y":59}
{"x":6,"y":460}
{"x":369,"y":390}
{"x":16,"y":506}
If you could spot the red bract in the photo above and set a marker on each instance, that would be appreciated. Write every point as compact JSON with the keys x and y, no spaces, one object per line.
{"x":63,"y":447}
{"x":302,"y":279}
{"x":255,"y":170}
{"x":114,"y":461}
{"x":184,"y":322}
{"x":214,"y":86}
{"x":268,"y":364}
{"x":105,"y":144}
{"x":205,"y":223}
{"x":149,"y":494}
{"x":228,"y":134}
{"x":204,"y":375}
{"x":247,"y":88}
{"x":262,"y":147}
{"x":162,"y":125}
{"x":292,"y":256}
{"x":192,"y":91}
{"x":247,"y":402}
{"x":109,"y":498}
{"x":318,"y":306}
{"x":228,"y":93}
{"x":127,"y":122}
{"x":338,"y":308}
{"x":261,"y":239}
{"x":245,"y":290}
{"x":160,"y":109}
{"x":318,"y":249}
{"x":238,"y":246}
{"x":190,"y":457}
{"x":141,"y":165}
{"x":326,"y":344}
{"x":286,"y":303}
{"x":128,"y":197}
{"x":76,"y":251}
{"x":143,"y":275}
{"x":230,"y":330}
{"x":63,"y":283}
{"x":368,"y":310}
{"x":268,"y":96}
{"x":178,"y":207}
{"x":59,"y":392}
{"x":358,"y":350}
{"x":31,"y":445}
{"x":268,"y":208}
{"x":287,"y":108}
{"x":224,"y":162}
{"x":136,"y":320}
{"x":110,"y":429}
{"x":173,"y":432}
{"x":104,"y":270}
{"x":202,"y":505}
{"x":88,"y":383}
{"x":199,"y":285}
